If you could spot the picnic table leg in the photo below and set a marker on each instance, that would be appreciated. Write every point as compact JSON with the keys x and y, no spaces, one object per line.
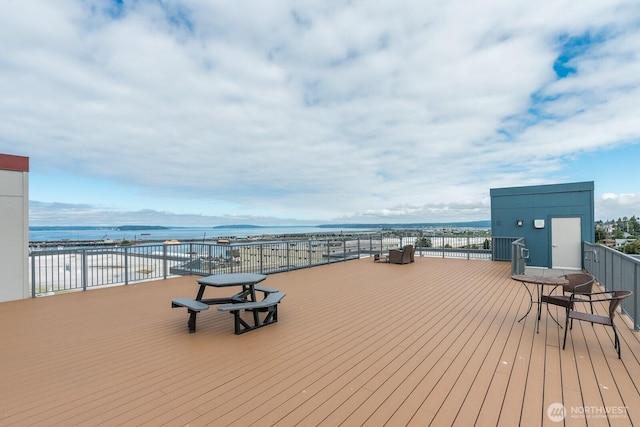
{"x":200,"y":292}
{"x":192,"y":321}
{"x":238,"y":323}
{"x":256,"y":315}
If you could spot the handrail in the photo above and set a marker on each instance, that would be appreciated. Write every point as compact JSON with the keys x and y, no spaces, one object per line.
{"x":519,"y":254}
{"x":62,"y":270}
{"x":615,"y":270}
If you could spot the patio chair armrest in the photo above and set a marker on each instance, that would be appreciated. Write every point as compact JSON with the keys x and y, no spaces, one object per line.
{"x":593,"y":296}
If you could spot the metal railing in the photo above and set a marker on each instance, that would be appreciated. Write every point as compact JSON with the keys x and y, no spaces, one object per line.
{"x":519,"y":255}
{"x":61,"y":270}
{"x":501,"y":248}
{"x":615,"y":271}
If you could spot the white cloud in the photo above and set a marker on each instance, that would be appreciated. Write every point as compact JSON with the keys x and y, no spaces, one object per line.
{"x":394,"y":110}
{"x":614,"y":206}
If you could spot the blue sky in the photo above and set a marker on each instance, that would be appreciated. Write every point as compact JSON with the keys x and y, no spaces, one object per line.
{"x":199,"y":112}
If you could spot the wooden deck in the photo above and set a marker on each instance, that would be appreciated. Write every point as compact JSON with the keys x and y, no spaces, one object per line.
{"x":436,"y":343}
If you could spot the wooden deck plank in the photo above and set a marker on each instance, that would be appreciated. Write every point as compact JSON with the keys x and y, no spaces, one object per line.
{"x":466,"y":359}
{"x":406,"y":367}
{"x":463,"y":410}
{"x":496,"y":359}
{"x":406,"y":408}
{"x":502,"y":402}
{"x":335,"y":376}
{"x":552,"y":388}
{"x":570,"y":380}
{"x":357,"y":342}
{"x":589,"y":386}
{"x":387,"y":359}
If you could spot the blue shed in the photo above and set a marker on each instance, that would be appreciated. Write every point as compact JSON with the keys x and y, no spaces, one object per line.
{"x":553,"y":219}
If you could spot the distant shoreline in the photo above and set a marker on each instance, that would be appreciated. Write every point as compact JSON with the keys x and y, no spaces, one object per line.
{"x":69,"y":236}
{"x":457,"y":224}
{"x":215,"y":239}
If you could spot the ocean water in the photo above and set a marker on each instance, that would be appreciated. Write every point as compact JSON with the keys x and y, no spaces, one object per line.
{"x":46,"y":234}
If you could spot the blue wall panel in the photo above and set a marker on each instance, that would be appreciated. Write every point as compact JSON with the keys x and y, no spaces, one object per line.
{"x":541,"y":202}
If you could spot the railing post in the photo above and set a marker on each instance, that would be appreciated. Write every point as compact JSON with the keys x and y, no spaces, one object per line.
{"x":84,"y":269}
{"x":261,"y":253}
{"x":493,"y":248}
{"x":288,"y":257}
{"x":166,"y":253}
{"x":636,"y":319}
{"x":165,"y":261}
{"x":328,"y":251}
{"x":310,"y":253}
{"x":126,"y":265}
{"x":193,"y":256}
{"x":33,"y":275}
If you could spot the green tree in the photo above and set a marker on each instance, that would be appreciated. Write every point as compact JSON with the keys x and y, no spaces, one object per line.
{"x":634,"y":226}
{"x":632,"y":247}
{"x":423,"y":242}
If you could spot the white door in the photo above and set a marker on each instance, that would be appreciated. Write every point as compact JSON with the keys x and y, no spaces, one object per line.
{"x":566,"y":243}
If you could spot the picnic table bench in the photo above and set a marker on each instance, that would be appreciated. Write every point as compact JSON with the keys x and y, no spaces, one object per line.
{"x":193,"y":307}
{"x":269,"y":305}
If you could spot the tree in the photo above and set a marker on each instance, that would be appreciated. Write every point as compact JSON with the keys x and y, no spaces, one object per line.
{"x":423,"y":242}
{"x":616,"y":229}
{"x":634,"y":226}
{"x":632,"y":247}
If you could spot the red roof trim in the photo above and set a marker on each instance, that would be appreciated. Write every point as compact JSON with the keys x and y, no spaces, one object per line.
{"x":14,"y":163}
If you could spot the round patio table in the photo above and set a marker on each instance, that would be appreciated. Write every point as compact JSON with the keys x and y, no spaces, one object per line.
{"x":539,"y":282}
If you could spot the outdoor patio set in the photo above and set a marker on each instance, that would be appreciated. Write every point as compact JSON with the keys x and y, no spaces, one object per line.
{"x":576,"y":288}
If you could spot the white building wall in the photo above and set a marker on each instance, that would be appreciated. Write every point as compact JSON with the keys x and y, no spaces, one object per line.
{"x":14,"y":233}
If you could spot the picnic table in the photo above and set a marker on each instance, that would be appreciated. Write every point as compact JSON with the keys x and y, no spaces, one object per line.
{"x":247,"y":281}
{"x":244,"y":300}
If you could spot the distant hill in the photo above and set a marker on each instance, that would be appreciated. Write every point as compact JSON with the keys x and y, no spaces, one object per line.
{"x":141,"y":227}
{"x":463,"y":224}
{"x":240,"y":226}
{"x":468,"y":224}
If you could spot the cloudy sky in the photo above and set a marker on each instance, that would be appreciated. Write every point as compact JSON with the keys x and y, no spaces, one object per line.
{"x":205,"y":112}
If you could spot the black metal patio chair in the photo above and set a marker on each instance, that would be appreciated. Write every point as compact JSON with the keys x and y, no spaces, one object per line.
{"x":614,"y":298}
{"x":579,"y":284}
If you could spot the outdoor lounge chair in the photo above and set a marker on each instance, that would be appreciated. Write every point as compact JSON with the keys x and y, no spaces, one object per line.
{"x":404,"y":255}
{"x":613,"y":297}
